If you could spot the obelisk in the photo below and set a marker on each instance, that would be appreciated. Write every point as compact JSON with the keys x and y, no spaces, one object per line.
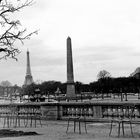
{"x":70,"y":76}
{"x":28,"y":77}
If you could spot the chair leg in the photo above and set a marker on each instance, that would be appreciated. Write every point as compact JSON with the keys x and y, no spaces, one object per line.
{"x":15,"y":121}
{"x":18,"y":119}
{"x":85,"y":127}
{"x":8,"y":121}
{"x":74,"y":125}
{"x":79,"y":127}
{"x":119,"y":130}
{"x":40,"y":121}
{"x":26,"y":120}
{"x":31,"y":123}
{"x":4,"y":122}
{"x":131,"y":129}
{"x":35,"y":121}
{"x":123,"y":128}
{"x":111,"y":128}
{"x":67,"y":126}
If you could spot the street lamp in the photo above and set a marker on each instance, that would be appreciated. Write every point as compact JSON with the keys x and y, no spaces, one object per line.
{"x":37,"y":94}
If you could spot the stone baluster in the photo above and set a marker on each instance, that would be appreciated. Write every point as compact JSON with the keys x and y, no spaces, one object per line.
{"x":136,"y":113}
{"x":90,"y":112}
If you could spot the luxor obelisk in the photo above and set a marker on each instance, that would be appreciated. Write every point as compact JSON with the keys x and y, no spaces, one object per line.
{"x":70,"y":76}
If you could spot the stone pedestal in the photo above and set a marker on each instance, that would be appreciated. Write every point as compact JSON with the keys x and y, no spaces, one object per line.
{"x":70,"y":90}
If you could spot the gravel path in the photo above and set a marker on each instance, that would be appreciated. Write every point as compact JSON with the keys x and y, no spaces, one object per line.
{"x":55,"y":130}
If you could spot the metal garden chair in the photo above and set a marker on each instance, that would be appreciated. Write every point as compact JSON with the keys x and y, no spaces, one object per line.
{"x":122,"y":115}
{"x":77,"y":115}
{"x":10,"y":115}
{"x":34,"y":114}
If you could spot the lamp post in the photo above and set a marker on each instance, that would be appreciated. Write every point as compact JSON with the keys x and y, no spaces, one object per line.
{"x":57,"y":92}
{"x":37,"y":94}
{"x":125,"y":94}
{"x":121,"y":94}
{"x":48,"y":96}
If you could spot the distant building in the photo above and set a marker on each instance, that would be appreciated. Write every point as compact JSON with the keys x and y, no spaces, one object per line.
{"x":136,"y":73}
{"x":9,"y":91}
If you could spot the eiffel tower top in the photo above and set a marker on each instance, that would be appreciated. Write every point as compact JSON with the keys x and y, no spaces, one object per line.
{"x":28,"y":68}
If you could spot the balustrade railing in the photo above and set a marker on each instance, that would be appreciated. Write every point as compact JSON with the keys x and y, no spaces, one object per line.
{"x":78,"y":111}
{"x":101,"y":111}
{"x":110,"y":110}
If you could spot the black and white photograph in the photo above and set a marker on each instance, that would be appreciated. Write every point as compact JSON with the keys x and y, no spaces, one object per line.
{"x":69,"y":69}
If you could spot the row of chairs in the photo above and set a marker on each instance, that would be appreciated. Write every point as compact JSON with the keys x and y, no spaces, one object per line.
{"x":125,"y":114}
{"x":15,"y":116}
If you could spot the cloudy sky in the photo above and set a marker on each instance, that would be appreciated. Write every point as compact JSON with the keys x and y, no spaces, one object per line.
{"x":105,"y":35}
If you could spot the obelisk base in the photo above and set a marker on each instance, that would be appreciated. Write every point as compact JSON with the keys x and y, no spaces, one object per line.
{"x":70,"y":90}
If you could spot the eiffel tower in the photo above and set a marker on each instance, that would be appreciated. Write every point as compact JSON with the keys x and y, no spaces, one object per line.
{"x":28,"y":77}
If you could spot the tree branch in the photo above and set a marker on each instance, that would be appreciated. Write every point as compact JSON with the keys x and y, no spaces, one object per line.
{"x":12,"y":32}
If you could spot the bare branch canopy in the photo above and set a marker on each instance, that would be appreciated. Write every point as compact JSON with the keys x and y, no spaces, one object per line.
{"x":10,"y":29}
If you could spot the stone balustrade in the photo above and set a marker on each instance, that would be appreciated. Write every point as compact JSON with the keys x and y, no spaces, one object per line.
{"x":61,"y":110}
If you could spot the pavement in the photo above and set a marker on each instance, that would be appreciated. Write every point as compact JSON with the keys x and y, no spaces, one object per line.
{"x":56,"y":130}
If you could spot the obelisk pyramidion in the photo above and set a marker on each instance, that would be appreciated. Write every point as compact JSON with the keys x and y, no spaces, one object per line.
{"x":70,"y":76}
{"x":28,"y":77}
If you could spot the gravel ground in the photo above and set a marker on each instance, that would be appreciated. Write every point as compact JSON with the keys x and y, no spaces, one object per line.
{"x":56,"y":130}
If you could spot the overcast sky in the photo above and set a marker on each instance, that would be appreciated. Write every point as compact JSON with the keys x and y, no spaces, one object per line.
{"x":105,"y":35}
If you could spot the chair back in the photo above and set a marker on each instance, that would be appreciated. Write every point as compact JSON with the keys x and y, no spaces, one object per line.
{"x":80,"y":111}
{"x":128,"y":111}
{"x":124,"y":111}
{"x":13,"y":109}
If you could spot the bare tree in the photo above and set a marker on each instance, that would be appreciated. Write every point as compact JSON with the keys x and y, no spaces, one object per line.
{"x":103,"y":74}
{"x":10,"y":29}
